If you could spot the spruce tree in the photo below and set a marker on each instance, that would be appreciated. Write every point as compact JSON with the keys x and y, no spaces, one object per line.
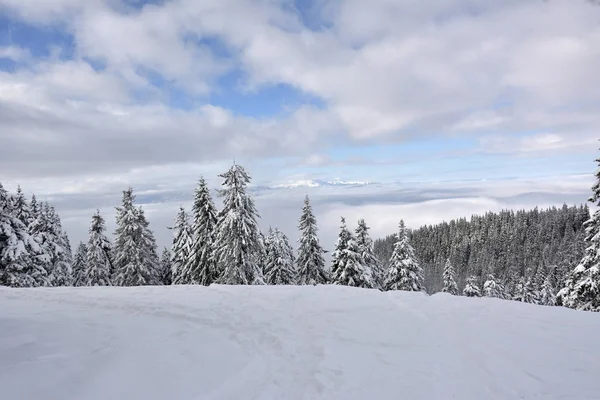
{"x":547,"y":294}
{"x":310,"y":262}
{"x":237,"y":245}
{"x":471,"y":288}
{"x":17,"y":249}
{"x":450,"y":285}
{"x":98,"y":255}
{"x":131,"y":264}
{"x":348,"y":266}
{"x":79,"y":265}
{"x":166,"y":275}
{"x":493,"y":288}
{"x":404,"y":272}
{"x":21,"y":208}
{"x":365,"y":249}
{"x":181,"y":249}
{"x":279,"y":265}
{"x":200,"y":264}
{"x":582,"y":290}
{"x":149,"y":249}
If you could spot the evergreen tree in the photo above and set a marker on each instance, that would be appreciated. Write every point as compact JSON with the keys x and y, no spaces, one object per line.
{"x":149,"y":249}
{"x":181,"y":249}
{"x":200,"y":264}
{"x":404,"y":272}
{"x":59,"y":248}
{"x":493,"y":288}
{"x":237,"y":244}
{"x":79,"y":265}
{"x":166,"y":267}
{"x":337,"y":257}
{"x":279,"y":265}
{"x":310,"y":262}
{"x":365,"y":249}
{"x":131,"y":264}
{"x":450,"y":285}
{"x":98,"y":255}
{"x":16,"y":249}
{"x":21,"y":208}
{"x":471,"y":288}
{"x":583,"y":291}
{"x":547,"y":294}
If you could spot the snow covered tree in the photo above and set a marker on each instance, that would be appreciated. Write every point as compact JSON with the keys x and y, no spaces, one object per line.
{"x":59,"y":249}
{"x":310,"y":262}
{"x":98,"y":255}
{"x":17,"y":248}
{"x":131,"y":263}
{"x":166,"y":275}
{"x":365,"y":249}
{"x":79,"y":265}
{"x":21,"y":208}
{"x":524,"y":291}
{"x":471,"y":288}
{"x":279,"y":265}
{"x":493,"y":288}
{"x":348,"y":267}
{"x":237,"y":245}
{"x":200,"y":264}
{"x":180,"y":249}
{"x":404,"y":272}
{"x":450,"y":285}
{"x":547,"y":293}
{"x":149,"y":248}
{"x":582,"y":290}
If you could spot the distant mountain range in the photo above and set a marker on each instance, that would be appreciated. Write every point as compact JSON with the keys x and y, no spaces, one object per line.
{"x":319,"y":183}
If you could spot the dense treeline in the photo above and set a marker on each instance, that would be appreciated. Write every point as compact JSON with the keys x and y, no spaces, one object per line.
{"x":510,"y":245}
{"x":548,"y":257}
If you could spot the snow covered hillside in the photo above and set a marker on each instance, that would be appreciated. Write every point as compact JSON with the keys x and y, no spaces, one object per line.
{"x":278,"y":342}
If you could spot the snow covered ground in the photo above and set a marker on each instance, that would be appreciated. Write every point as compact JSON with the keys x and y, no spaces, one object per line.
{"x":276,"y":342}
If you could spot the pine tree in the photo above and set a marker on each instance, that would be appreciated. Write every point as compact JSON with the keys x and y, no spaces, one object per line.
{"x":547,"y":294}
{"x":279,"y":265}
{"x":149,"y":249}
{"x":21,"y":208}
{"x":365,"y":249}
{"x":57,"y":241}
{"x":337,"y":260}
{"x":471,"y":288}
{"x":404,"y":272}
{"x":450,"y":285}
{"x":348,"y":266}
{"x":98,"y":255}
{"x":79,"y":265}
{"x":493,"y":288}
{"x":200,"y":264}
{"x":237,"y":245}
{"x":181,"y":249}
{"x":583,"y":291}
{"x":131,"y":264}
{"x":17,"y":249}
{"x":166,"y":267}
{"x":310,"y":262}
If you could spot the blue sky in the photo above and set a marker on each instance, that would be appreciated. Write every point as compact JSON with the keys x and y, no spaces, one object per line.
{"x":99,"y":95}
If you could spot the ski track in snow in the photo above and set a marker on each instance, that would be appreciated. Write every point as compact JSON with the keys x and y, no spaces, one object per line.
{"x":277,"y":342}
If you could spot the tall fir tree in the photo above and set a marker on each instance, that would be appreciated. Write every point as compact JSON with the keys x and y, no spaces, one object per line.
{"x":98,"y":255}
{"x":200,"y":264}
{"x":131,"y":264}
{"x":365,"y":249}
{"x":337,"y":260}
{"x":404,"y":272}
{"x":181,"y":249}
{"x":310,"y":262}
{"x":449,"y":274}
{"x":79,"y":265}
{"x":237,"y":245}
{"x":279,"y":264}
{"x":582,"y":290}
{"x":149,"y":248}
{"x":547,"y":293}
{"x":166,"y":275}
{"x":17,"y":248}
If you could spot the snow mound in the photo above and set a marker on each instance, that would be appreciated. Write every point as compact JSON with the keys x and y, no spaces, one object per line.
{"x":277,"y":342}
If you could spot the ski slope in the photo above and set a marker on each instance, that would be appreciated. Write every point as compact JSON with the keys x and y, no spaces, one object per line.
{"x":276,"y":342}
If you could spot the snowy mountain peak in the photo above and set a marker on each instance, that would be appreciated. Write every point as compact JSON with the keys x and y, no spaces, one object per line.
{"x":319,"y":183}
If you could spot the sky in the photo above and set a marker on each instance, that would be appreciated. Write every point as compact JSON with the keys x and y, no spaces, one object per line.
{"x":416,"y":110}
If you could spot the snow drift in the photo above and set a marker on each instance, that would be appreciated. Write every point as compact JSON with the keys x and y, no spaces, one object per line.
{"x":278,"y":342}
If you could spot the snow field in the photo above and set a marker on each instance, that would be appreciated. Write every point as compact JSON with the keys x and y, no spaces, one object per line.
{"x":288,"y":342}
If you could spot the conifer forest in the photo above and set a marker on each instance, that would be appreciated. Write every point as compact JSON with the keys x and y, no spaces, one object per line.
{"x":548,"y":257}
